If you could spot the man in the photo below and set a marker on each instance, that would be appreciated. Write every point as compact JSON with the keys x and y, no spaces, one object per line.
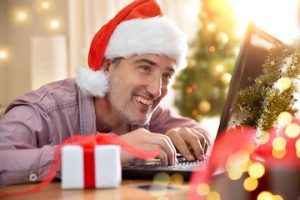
{"x":132,"y":59}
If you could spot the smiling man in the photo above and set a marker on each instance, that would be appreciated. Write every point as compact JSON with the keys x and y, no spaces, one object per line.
{"x":131,"y":61}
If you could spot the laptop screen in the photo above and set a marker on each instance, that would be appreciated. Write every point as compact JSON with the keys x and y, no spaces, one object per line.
{"x":253,"y":52}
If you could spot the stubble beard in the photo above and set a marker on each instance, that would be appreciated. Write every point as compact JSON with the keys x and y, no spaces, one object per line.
{"x":124,"y":112}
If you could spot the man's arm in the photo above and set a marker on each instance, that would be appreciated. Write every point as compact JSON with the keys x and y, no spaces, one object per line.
{"x":25,"y":153}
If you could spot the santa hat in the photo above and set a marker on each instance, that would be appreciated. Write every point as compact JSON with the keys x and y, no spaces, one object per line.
{"x":139,"y":28}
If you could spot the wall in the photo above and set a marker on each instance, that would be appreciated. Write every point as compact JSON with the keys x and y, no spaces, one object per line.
{"x":2,"y":66}
{"x":15,"y":77}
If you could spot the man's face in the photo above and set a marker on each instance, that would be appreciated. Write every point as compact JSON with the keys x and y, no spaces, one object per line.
{"x":138,"y":84}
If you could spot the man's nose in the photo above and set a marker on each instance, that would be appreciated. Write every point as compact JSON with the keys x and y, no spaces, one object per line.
{"x":155,"y":86}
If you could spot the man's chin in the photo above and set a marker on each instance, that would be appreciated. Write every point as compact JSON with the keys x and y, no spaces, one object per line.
{"x":139,"y":122}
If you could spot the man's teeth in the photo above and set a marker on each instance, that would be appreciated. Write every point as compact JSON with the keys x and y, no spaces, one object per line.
{"x":144,"y":101}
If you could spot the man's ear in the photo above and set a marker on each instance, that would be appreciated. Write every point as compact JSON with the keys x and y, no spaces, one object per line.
{"x":105,"y":64}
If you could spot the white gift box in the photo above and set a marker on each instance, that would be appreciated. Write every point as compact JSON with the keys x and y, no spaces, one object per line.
{"x":107,"y":166}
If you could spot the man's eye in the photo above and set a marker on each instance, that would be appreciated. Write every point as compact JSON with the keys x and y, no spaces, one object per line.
{"x":145,"y":68}
{"x":167,"y":76}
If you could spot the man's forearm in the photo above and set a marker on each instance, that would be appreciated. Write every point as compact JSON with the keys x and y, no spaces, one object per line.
{"x":25,"y":165}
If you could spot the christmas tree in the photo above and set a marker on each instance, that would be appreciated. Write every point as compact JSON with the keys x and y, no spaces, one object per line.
{"x":274,"y":92}
{"x":202,"y":87}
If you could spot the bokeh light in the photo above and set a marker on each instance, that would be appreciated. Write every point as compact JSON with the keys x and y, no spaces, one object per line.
{"x":256,"y":170}
{"x":284,"y":119}
{"x":265,"y":195}
{"x":250,"y":184}
{"x":21,"y":16}
{"x":54,"y":24}
{"x":292,"y":130}
{"x":283,"y":84}
{"x":279,"y":143}
{"x":176,"y":179}
{"x":278,"y":153}
{"x":203,"y":189}
{"x":263,"y":137}
{"x":3,"y":54}
{"x":213,"y":196}
{"x":45,"y":5}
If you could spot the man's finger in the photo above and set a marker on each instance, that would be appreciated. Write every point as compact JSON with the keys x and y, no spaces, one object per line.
{"x":166,"y":145}
{"x":194,"y":141}
{"x":182,"y":147}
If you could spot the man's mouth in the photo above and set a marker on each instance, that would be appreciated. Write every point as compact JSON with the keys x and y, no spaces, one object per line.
{"x":146,"y":102}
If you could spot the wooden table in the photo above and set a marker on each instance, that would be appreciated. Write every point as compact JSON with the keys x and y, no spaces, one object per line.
{"x":128,"y":190}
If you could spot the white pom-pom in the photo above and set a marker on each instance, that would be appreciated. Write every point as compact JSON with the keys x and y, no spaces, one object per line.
{"x":94,"y":83}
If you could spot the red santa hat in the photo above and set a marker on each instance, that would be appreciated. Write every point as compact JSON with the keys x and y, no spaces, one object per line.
{"x":139,"y":28}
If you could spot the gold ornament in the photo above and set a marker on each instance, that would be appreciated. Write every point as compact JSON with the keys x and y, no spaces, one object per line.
{"x":204,"y":106}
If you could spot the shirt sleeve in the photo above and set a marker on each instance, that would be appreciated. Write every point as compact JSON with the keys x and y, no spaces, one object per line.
{"x":163,"y":119}
{"x":25,"y":152}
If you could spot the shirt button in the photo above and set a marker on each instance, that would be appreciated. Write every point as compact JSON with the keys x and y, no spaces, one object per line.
{"x":33,"y":177}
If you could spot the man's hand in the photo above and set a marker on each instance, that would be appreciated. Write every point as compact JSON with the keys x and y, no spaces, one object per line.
{"x":189,"y":142}
{"x":145,"y":140}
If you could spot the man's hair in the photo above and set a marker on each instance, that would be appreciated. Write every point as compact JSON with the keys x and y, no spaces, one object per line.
{"x":116,"y":61}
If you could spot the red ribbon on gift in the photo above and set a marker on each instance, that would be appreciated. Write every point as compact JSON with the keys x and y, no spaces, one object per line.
{"x":89,"y":167}
{"x":88,"y":143}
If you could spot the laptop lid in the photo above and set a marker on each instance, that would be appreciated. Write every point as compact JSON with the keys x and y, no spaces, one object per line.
{"x":249,"y":64}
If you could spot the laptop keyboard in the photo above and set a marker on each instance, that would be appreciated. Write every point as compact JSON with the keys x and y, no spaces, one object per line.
{"x":182,"y":164}
{"x":149,"y":169}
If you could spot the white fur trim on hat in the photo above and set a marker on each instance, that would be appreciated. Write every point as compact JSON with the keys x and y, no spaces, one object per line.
{"x":94,"y":83}
{"x":157,"y":35}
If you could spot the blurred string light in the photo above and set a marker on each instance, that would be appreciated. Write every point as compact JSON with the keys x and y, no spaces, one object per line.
{"x":3,"y":54}
{"x":21,"y":16}
{"x":45,"y":5}
{"x":54,"y":24}
{"x":278,"y":18}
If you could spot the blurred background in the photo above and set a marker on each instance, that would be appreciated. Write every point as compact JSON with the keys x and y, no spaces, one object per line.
{"x":46,"y":40}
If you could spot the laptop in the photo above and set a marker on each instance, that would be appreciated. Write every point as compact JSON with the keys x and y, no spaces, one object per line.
{"x":253,"y":52}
